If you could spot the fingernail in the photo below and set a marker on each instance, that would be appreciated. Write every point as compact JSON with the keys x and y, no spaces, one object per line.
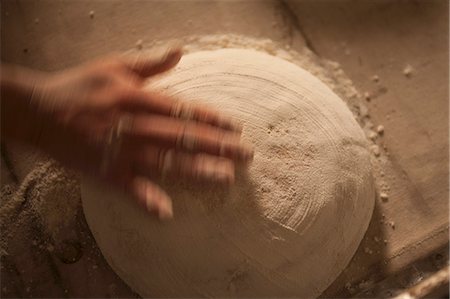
{"x":160,"y":204}
{"x":161,"y":57}
{"x":174,"y":51}
{"x":246,"y":152}
{"x":216,"y":171}
{"x":173,"y":55}
{"x":150,"y":204}
{"x":221,"y":176}
{"x":224,"y":178}
{"x":166,"y":53}
{"x":231,"y":124}
{"x":225,"y":172}
{"x":236,"y":126}
{"x":175,"y":46}
{"x":165,"y":209}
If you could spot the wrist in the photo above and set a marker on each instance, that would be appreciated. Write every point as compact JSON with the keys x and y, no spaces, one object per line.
{"x":19,"y":120}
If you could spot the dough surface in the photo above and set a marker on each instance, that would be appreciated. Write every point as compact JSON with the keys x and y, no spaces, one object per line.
{"x":292,"y":221}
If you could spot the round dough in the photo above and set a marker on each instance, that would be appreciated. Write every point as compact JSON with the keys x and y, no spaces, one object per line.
{"x":292,"y":221}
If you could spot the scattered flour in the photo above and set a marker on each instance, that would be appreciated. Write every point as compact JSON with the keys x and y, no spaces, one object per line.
{"x":380,"y":129}
{"x":384,"y":196}
{"x":408,"y":71}
{"x":50,"y":196}
{"x":139,"y":44}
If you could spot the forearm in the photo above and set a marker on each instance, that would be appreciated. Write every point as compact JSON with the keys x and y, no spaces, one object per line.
{"x":19,"y":119}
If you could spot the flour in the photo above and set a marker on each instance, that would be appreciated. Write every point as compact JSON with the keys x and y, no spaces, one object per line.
{"x":311,"y":172}
{"x":49,"y":195}
{"x":45,"y":202}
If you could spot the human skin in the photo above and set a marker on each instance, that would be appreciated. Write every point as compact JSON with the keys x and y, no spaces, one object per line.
{"x":71,"y":115}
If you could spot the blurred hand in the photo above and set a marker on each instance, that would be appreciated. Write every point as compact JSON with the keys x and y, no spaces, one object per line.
{"x":98,"y":119}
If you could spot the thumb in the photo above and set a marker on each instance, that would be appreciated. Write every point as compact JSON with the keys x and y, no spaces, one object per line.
{"x":151,"y":197}
{"x":157,"y":62}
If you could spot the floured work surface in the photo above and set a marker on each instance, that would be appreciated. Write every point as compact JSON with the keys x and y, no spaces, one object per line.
{"x":397,"y":52}
{"x":59,"y":35}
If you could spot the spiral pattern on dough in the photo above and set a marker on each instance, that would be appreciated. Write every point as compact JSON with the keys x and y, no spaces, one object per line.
{"x":292,"y":221}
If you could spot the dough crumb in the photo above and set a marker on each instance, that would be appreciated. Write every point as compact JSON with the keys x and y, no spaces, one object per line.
{"x":384,"y":197}
{"x":91,"y":14}
{"x":368,"y":250}
{"x":375,"y":78}
{"x":350,"y":288}
{"x":376,"y":239}
{"x":367,"y":96}
{"x":36,"y":20}
{"x":372,"y":135}
{"x":380,"y":129}
{"x":408,"y":70}
{"x":365,"y":284}
{"x":139,"y":44}
{"x":392,"y":224}
{"x":376,"y":150}
{"x":363,"y":110}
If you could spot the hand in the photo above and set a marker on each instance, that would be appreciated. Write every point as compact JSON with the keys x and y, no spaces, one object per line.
{"x":98,"y":119}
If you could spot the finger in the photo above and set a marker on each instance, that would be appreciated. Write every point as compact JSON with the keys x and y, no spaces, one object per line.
{"x":203,"y":114}
{"x":163,"y":161}
{"x":151,"y":197}
{"x":189,"y":136}
{"x":136,"y":100}
{"x":159,"y":61}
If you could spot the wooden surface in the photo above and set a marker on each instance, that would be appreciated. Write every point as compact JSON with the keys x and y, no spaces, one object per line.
{"x":436,"y":286}
{"x":366,"y":38}
{"x":381,"y":38}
